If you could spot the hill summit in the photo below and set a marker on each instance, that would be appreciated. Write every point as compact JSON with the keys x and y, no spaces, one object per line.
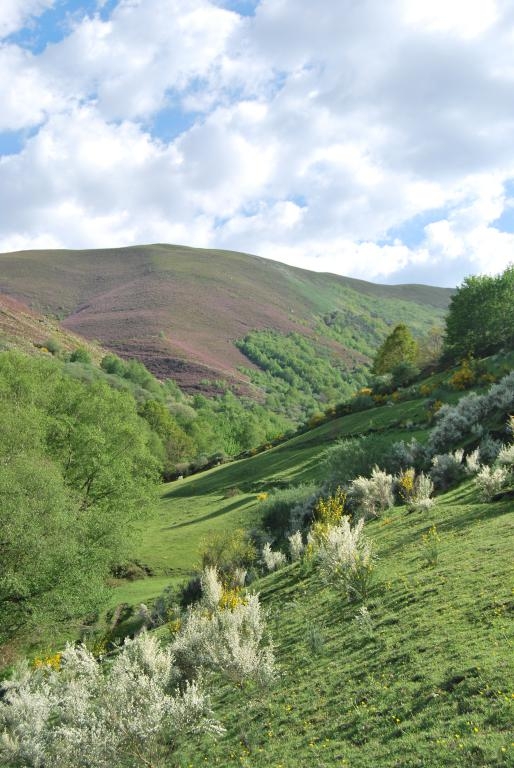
{"x":181,"y":310}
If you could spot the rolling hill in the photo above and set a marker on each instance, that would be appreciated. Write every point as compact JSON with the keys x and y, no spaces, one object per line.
{"x":181,"y":310}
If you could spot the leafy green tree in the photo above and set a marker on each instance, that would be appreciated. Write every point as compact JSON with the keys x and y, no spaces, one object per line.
{"x":398,"y":347}
{"x":177,"y":444}
{"x":77,"y":470}
{"x":481,"y":316}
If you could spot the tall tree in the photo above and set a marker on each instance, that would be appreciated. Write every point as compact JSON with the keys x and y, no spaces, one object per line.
{"x":481,"y":316}
{"x":399,"y":347}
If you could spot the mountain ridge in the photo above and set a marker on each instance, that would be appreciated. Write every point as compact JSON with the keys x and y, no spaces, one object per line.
{"x":180,"y":309}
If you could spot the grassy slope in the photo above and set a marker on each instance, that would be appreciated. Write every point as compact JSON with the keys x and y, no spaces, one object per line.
{"x":24,"y":329}
{"x":194,"y":507}
{"x":180,"y":309}
{"x":432,"y":685}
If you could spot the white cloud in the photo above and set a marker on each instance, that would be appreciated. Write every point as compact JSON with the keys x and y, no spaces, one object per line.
{"x":321,"y":129}
{"x":466,"y":18}
{"x":14,"y":14}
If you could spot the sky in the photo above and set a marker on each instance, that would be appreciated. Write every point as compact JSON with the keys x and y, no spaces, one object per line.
{"x":359,"y":137}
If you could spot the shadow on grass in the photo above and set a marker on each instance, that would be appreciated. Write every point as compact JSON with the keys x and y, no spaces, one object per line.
{"x":210,"y":516}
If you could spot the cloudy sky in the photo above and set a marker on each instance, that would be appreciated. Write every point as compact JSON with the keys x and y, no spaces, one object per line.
{"x":372,"y":138}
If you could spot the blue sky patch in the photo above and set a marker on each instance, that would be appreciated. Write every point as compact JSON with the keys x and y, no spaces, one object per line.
{"x":505,"y":223}
{"x":242,"y":7}
{"x":411,"y":233}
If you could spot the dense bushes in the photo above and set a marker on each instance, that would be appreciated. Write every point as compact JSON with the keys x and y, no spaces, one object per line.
{"x":226,"y":632}
{"x":468,"y":419}
{"x":296,"y":373}
{"x":73,"y":711}
{"x":481,"y":317}
{"x":77,"y":469}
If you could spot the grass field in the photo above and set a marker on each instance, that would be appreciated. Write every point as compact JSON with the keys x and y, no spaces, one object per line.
{"x":195,"y":507}
{"x":427,"y":683}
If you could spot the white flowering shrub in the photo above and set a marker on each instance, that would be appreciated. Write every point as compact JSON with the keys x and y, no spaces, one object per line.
{"x":472,"y":465}
{"x":229,"y":637}
{"x":345,"y":558}
{"x":421,"y":499}
{"x":490,"y":481}
{"x":447,"y":469}
{"x":88,"y":715}
{"x":272,"y":560}
{"x":505,"y":457}
{"x":212,"y":588}
{"x":296,"y":545}
{"x":372,"y":495}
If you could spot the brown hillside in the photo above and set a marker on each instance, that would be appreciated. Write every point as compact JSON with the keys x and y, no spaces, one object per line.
{"x":180,"y":309}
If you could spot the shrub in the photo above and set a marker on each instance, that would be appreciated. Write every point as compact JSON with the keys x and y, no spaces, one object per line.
{"x":127,"y":714}
{"x":430,"y":546}
{"x":272,"y":560}
{"x":489,"y":449}
{"x":405,"y":484}
{"x":404,"y":373}
{"x":285,"y":509}
{"x":372,"y":495}
{"x":421,"y":500}
{"x":447,"y":469}
{"x":345,"y":559}
{"x":365,"y":622}
{"x":354,"y":456}
{"x":228,"y":638}
{"x":490,"y":481}
{"x":505,"y":456}
{"x":403,"y":455}
{"x":464,"y":377}
{"x":53,"y":346}
{"x":473,"y":462}
{"x":212,"y":588}
{"x":80,"y":355}
{"x":296,"y":545}
{"x":454,"y":423}
{"x":228,"y":550}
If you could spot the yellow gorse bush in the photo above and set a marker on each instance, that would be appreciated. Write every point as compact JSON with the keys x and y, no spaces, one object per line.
{"x":48,"y":662}
{"x":464,"y":377}
{"x":406,"y":484}
{"x":327,"y":513}
{"x":231,"y":598}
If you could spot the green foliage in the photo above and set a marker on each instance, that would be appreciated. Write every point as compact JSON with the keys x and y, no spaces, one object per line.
{"x":80,"y":355}
{"x":480,"y":319}
{"x":354,"y":456}
{"x":231,"y":425}
{"x":399,"y":347}
{"x":132,"y":370}
{"x":286,"y":508}
{"x":53,"y":346}
{"x":228,"y":551}
{"x":404,"y":373}
{"x":76,"y":470}
{"x":178,"y":445}
{"x":297,"y":373}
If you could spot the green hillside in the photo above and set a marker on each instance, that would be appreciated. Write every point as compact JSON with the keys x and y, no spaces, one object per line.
{"x":387,"y":637}
{"x":181,"y":310}
{"x":425,"y":678}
